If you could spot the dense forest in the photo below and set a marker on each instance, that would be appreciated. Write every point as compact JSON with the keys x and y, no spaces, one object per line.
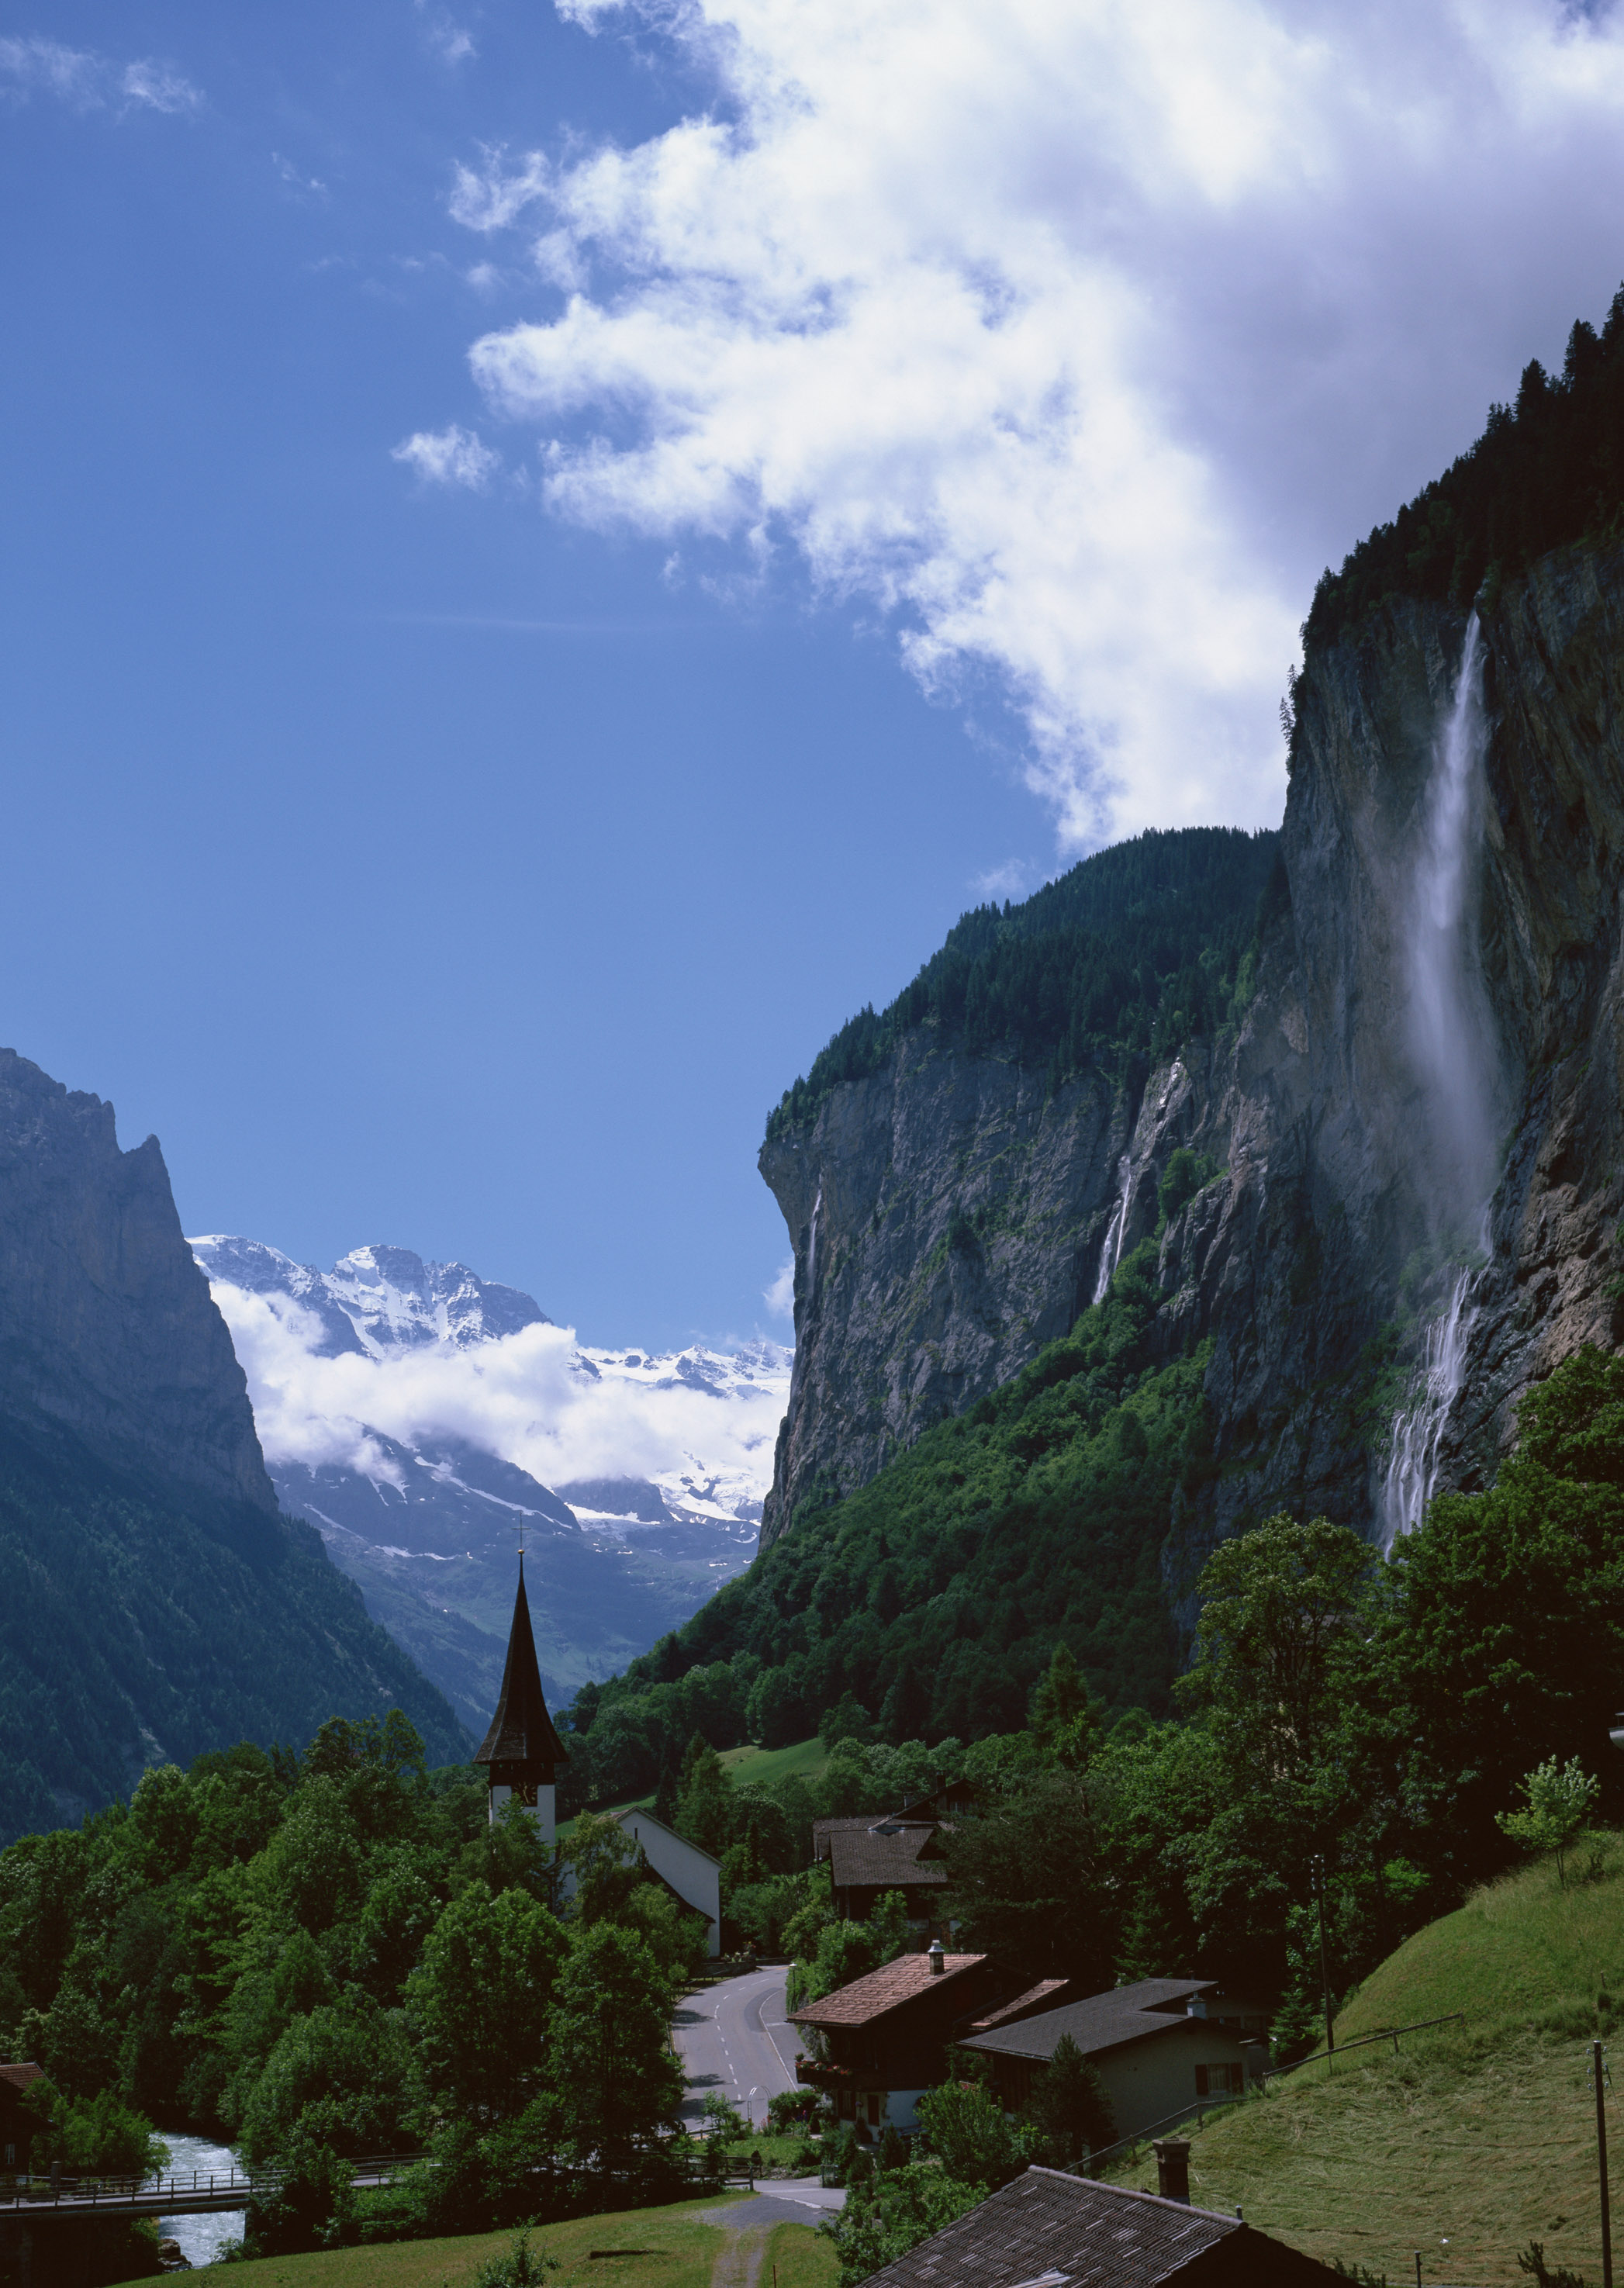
{"x":1547,"y":472}
{"x":217,"y":1622}
{"x":331,"y":1954}
{"x":1129,"y":954}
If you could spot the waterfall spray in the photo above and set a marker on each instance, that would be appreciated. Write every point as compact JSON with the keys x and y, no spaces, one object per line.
{"x":1452,"y":1041}
{"x":1111,"y":1253}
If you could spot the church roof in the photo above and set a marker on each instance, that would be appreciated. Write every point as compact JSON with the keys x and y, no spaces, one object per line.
{"x":522,"y":1730}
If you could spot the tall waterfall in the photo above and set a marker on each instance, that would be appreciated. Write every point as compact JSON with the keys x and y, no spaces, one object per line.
{"x":1111,"y":1252}
{"x":1450,"y":1040}
{"x":1412,"y":1462}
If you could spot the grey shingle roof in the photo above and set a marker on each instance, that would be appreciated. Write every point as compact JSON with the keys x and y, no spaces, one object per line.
{"x":1081,"y":2235}
{"x":1128,"y":2014}
{"x":865,"y":1855}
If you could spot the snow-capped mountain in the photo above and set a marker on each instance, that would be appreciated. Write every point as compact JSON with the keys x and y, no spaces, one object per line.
{"x":421,"y":1417}
{"x":377,"y":1301}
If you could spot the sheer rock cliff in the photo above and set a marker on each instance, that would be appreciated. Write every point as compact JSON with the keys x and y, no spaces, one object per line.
{"x":108,"y":1329}
{"x":949,"y":1216}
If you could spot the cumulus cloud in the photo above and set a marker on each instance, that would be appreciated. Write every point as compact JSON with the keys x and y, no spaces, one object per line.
{"x":450,"y":457}
{"x":1076,"y":338}
{"x":88,"y":82}
{"x":523,"y":1396}
{"x":779,"y":1297}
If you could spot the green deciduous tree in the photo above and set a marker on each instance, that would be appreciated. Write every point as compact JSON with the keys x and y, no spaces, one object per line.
{"x":894,"y":2212}
{"x":1029,"y":1879}
{"x":610,"y":2062}
{"x":1559,"y":1800}
{"x":975,"y":2138}
{"x":480,"y":2004}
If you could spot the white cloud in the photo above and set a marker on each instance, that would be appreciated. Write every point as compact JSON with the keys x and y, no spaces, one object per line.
{"x":1012,"y":879}
{"x":450,"y":41}
{"x":89,"y":82}
{"x":159,"y":88}
{"x":492,"y":197}
{"x":779,"y":1297}
{"x":449,"y":456}
{"x":521,"y":1396}
{"x":1076,"y":336}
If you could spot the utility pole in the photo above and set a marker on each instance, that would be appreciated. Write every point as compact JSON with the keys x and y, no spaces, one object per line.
{"x":1598,"y":2074}
{"x":1317,"y":1869}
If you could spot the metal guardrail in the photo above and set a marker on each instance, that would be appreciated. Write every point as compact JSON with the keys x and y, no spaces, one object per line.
{"x":1388,"y":2034}
{"x":1197,"y":2108}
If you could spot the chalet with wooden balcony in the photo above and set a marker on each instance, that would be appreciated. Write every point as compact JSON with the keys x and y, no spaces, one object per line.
{"x":887,"y":2038}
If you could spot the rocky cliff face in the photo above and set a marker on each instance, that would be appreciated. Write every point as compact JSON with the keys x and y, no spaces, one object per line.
{"x":108,"y":1330}
{"x":1418,"y":1119}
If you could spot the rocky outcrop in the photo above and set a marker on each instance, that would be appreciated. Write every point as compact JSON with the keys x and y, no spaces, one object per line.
{"x":108,"y":1330}
{"x":1393,"y":1190}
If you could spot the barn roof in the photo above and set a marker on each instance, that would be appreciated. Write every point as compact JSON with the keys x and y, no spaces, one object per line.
{"x":1051,"y":2230}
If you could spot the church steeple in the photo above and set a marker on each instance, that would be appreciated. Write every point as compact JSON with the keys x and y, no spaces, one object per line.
{"x":521,"y":1749}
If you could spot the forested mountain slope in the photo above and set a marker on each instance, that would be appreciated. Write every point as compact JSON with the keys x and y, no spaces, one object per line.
{"x":157,"y":1604}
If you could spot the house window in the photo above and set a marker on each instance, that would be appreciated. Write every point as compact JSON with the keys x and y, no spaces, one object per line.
{"x":11,"y":2156}
{"x":1220,"y":2081}
{"x":874,"y":2109}
{"x":843,"y":2105}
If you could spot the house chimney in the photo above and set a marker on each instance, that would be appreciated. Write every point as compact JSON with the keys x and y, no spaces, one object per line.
{"x":1172,"y":2168}
{"x":936,"y":1958}
{"x":1196,"y":2007}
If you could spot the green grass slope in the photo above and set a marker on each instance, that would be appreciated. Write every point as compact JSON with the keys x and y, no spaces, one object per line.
{"x":752,"y":1767}
{"x":1522,"y":1951}
{"x":1471,"y":2141}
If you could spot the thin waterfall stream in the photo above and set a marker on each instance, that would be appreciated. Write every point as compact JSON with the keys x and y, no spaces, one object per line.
{"x":1451,"y":1042}
{"x":1111,"y":1251}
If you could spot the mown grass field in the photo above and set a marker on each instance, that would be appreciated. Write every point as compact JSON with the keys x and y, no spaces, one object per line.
{"x":753,"y":1766}
{"x":636,"y":2248}
{"x":1474,"y":2139}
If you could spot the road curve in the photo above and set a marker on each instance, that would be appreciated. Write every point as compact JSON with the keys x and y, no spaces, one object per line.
{"x":732,"y":2037}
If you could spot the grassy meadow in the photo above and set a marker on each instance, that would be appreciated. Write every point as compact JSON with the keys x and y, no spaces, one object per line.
{"x":638,"y":2248}
{"x":1474,"y":2139}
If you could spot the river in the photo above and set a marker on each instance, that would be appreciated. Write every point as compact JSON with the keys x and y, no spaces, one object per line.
{"x":199,"y":2237}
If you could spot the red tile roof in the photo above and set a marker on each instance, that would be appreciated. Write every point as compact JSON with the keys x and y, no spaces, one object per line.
{"x":889,"y":1989}
{"x":1045,"y":1993}
{"x":21,"y":2077}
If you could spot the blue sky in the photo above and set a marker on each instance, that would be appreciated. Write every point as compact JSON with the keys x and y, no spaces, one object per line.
{"x":463,"y":845}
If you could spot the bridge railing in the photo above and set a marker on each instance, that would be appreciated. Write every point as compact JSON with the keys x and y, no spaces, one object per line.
{"x":25,"y":2188}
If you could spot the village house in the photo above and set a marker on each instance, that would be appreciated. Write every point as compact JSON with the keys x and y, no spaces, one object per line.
{"x":1047,"y":2229}
{"x":1159,"y":2047}
{"x":887,"y":2037}
{"x":899,"y":1851}
{"x":16,"y":2126}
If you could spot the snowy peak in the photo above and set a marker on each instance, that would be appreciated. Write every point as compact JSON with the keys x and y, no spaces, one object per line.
{"x":377,"y":1301}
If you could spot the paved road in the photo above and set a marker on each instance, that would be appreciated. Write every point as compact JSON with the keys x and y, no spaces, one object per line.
{"x":732,"y":2037}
